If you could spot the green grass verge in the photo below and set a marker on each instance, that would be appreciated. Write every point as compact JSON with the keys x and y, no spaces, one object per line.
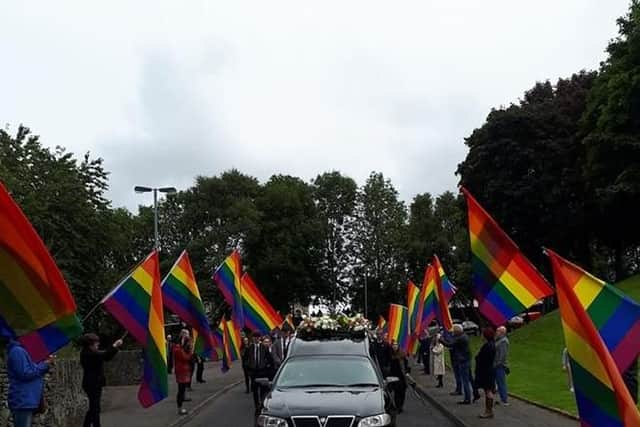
{"x":536,"y":354}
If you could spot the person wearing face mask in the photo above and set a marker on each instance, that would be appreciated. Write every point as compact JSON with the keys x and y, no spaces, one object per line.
{"x":93,"y":380}
{"x":399,"y":366}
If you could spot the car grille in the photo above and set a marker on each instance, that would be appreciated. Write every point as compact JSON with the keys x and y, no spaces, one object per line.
{"x":330,"y":421}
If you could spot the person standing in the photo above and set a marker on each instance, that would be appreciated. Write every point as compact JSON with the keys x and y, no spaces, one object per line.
{"x":93,"y":380}
{"x":485,"y":373}
{"x":500,"y":363}
{"x":461,"y":358}
{"x":169,"y":348}
{"x":281,"y":346}
{"x":398,"y":368}
{"x":425,"y":351}
{"x":245,"y":354}
{"x":438,"y":361}
{"x":258,"y":365}
{"x":566,"y":366}
{"x":382,"y":352}
{"x":182,"y":357}
{"x":199,"y":361}
{"x":26,"y":383}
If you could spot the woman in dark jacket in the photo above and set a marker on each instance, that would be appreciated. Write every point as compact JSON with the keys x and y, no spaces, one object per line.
{"x":485,"y":374}
{"x":398,"y":368}
{"x":182,"y":356}
{"x":92,"y":361}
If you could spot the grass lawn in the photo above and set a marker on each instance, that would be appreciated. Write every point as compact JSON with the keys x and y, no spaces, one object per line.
{"x":536,"y":355}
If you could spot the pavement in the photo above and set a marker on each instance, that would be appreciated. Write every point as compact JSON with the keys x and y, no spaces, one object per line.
{"x":518,"y":413}
{"x":120,"y":406}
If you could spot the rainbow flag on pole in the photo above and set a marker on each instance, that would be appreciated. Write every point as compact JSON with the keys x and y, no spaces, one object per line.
{"x":615,"y":315}
{"x":444,"y":291}
{"x":226,"y":347}
{"x":601,"y":395}
{"x":259,"y":315}
{"x":505,"y":283}
{"x":36,"y":306}
{"x":428,"y":297}
{"x":181,"y":295}
{"x":399,"y":325}
{"x":235,"y":341}
{"x":413,"y":306}
{"x":137,"y":304}
{"x":228,"y":278}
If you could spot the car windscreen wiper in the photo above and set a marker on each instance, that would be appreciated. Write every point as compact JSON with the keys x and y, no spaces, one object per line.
{"x":312,"y":385}
{"x":363,"y":385}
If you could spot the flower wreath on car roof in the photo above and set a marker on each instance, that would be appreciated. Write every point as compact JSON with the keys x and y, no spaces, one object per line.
{"x":337,"y":326}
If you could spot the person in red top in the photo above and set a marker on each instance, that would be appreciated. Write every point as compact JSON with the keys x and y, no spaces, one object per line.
{"x":182,"y":355}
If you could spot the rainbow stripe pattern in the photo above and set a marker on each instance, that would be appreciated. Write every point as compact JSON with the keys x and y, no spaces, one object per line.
{"x":615,"y":315}
{"x":601,"y":394}
{"x":505,"y":283}
{"x":36,"y":305}
{"x":399,"y":325}
{"x":427,"y":297}
{"x":180,"y":294}
{"x":226,"y":348}
{"x":444,"y":291}
{"x":228,"y":278}
{"x":413,"y":306}
{"x":259,"y":315}
{"x":137,"y":304}
{"x":235,"y":341}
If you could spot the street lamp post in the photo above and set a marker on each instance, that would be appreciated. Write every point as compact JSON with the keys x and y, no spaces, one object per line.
{"x":366,"y":312}
{"x":166,"y":190}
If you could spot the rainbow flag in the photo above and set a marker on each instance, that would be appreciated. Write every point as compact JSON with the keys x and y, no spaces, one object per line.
{"x":399,"y":325}
{"x":180,"y":294}
{"x":137,"y":304}
{"x":259,"y":315}
{"x":200,"y":346}
{"x":413,"y":305}
{"x":235,"y":341}
{"x":601,"y":395}
{"x":505,"y":283}
{"x":382,"y":324}
{"x":428,"y":297}
{"x":615,"y":315}
{"x":228,"y":278}
{"x":444,"y":291}
{"x":36,"y":306}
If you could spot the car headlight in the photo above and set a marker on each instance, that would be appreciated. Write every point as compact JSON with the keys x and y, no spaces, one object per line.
{"x":268,"y":421}
{"x":376,"y":420}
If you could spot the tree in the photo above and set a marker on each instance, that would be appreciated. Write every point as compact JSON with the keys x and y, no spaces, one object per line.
{"x":335,"y":197}
{"x":611,"y":124}
{"x":422,"y":232}
{"x":380,"y":237}
{"x":524,"y":167}
{"x":284,"y":255}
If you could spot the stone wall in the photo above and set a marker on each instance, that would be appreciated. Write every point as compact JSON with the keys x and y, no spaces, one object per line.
{"x":66,"y":401}
{"x":63,"y":392}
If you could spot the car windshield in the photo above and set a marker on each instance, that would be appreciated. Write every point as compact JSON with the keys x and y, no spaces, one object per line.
{"x":339,"y":371}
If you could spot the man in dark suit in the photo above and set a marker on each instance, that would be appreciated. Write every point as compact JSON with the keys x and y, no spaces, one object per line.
{"x":260,"y":363}
{"x":281,"y":346}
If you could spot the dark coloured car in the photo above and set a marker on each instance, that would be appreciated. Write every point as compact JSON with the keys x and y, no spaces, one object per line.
{"x":328,"y":383}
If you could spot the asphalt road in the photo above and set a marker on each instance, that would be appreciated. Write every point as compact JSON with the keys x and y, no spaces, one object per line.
{"x":235,"y":409}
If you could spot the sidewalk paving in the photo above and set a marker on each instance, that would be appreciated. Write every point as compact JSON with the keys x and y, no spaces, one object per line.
{"x":120,"y":406}
{"x":518,"y":413}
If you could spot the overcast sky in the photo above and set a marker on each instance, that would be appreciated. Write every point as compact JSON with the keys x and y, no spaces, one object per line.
{"x":166,"y":91}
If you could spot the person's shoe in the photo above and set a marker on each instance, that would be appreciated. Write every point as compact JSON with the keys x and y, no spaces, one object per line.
{"x":488,"y":408}
{"x":503,"y":403}
{"x":455,"y":393}
{"x":182,"y":411}
{"x":201,"y":381}
{"x":187,"y":399}
{"x":464,"y":402}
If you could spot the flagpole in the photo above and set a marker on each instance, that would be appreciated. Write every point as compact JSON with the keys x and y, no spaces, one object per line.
{"x":131,"y":270}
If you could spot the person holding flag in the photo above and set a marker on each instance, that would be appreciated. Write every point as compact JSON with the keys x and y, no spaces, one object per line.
{"x":26,"y":383}
{"x":182,"y":355}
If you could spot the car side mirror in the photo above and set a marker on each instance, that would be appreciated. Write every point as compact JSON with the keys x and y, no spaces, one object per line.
{"x":264,"y":382}
{"x":391,"y":380}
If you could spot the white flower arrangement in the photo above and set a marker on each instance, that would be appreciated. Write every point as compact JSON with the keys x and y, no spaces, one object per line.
{"x":327,"y":326}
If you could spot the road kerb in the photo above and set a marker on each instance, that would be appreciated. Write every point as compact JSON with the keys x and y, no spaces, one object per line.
{"x":194,"y":411}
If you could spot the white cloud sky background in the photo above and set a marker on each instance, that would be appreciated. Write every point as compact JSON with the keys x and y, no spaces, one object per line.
{"x":165,"y":91}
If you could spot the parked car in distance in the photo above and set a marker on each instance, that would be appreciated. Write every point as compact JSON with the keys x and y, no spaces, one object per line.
{"x":469,"y":327}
